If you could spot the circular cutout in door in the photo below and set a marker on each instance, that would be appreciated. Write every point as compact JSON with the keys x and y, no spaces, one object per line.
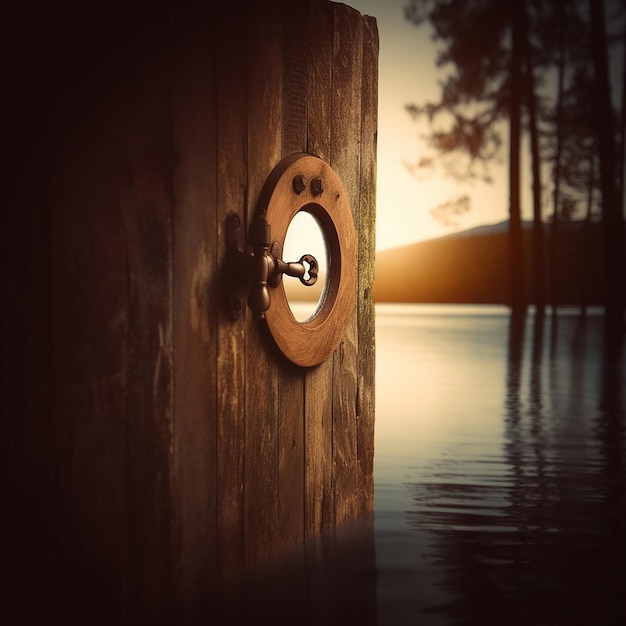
{"x":302,"y":182}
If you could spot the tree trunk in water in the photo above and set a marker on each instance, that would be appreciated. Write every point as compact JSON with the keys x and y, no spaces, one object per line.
{"x":621,"y":161}
{"x":554,"y":298}
{"x":612,"y":219}
{"x":586,"y":236}
{"x":538,"y":282}
{"x":517,"y":296}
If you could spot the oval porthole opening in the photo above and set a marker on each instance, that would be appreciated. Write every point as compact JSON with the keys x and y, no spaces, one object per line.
{"x":291,"y":188}
{"x":305,"y":236}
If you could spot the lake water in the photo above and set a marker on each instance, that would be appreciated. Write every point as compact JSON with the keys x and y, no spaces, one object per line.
{"x":500,"y":469}
{"x":500,"y":480}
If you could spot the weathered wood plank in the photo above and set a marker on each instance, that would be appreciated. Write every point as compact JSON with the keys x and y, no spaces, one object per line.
{"x":367,"y":256}
{"x":319,"y":503}
{"x":291,"y":457}
{"x":232,"y":125}
{"x":73,"y":428}
{"x":291,"y":378}
{"x":146,"y":200}
{"x":101,"y":145}
{"x":88,"y":341}
{"x":319,"y":44}
{"x":195,"y":308}
{"x":294,"y":94}
{"x":345,"y":160}
{"x":261,"y":392}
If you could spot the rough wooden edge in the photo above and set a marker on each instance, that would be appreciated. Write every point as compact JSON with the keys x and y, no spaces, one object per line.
{"x":367,"y":256}
{"x":345,"y":160}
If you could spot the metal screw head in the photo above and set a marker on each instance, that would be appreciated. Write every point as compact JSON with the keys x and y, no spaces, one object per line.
{"x":298,"y":184}
{"x":317,"y":186}
{"x":235,"y":220}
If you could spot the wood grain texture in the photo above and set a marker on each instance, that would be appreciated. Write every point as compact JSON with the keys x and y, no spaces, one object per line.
{"x":195,"y":255}
{"x":147,"y":205}
{"x":367,"y":256}
{"x":89,"y":347}
{"x":261,"y":392}
{"x":345,"y":160}
{"x":295,"y":24}
{"x":318,"y":384}
{"x":291,"y":380}
{"x":232,"y":125}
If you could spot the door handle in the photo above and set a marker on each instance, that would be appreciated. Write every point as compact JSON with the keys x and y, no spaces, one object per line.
{"x":268,"y":266}
{"x":255,"y":267}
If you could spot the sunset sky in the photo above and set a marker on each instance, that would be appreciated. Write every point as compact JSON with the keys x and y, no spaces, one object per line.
{"x":407,"y":74}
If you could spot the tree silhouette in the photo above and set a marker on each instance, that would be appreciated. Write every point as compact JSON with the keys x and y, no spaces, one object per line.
{"x":518,"y":301}
{"x":532,"y":103}
{"x":500,"y":57}
{"x":482,"y":91}
{"x":475,"y":94}
{"x":612,"y":213}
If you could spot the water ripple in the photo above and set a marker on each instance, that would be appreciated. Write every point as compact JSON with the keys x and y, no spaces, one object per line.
{"x":515,"y":490}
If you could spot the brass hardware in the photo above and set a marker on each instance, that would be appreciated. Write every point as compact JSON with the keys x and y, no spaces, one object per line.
{"x":317,"y":186}
{"x":263,"y":267}
{"x":306,"y":265}
{"x":254,"y":268}
{"x":298,"y":184}
{"x":235,"y":265}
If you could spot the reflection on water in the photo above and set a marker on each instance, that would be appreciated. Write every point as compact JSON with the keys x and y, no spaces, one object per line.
{"x":500,"y":479}
{"x":499,"y":476}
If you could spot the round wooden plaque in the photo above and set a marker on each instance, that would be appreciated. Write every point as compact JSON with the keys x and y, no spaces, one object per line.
{"x":302,"y":182}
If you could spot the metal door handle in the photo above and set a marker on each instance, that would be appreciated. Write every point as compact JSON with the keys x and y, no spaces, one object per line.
{"x":300,"y":182}
{"x":269,"y":267}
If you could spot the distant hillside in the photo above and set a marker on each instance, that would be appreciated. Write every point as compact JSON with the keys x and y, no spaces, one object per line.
{"x":473,"y":267}
{"x":485,"y":229}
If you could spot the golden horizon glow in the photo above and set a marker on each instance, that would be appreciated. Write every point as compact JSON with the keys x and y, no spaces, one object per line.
{"x":408,"y":74}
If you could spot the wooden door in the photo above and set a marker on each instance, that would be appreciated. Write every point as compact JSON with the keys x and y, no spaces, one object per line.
{"x":155,"y":447}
